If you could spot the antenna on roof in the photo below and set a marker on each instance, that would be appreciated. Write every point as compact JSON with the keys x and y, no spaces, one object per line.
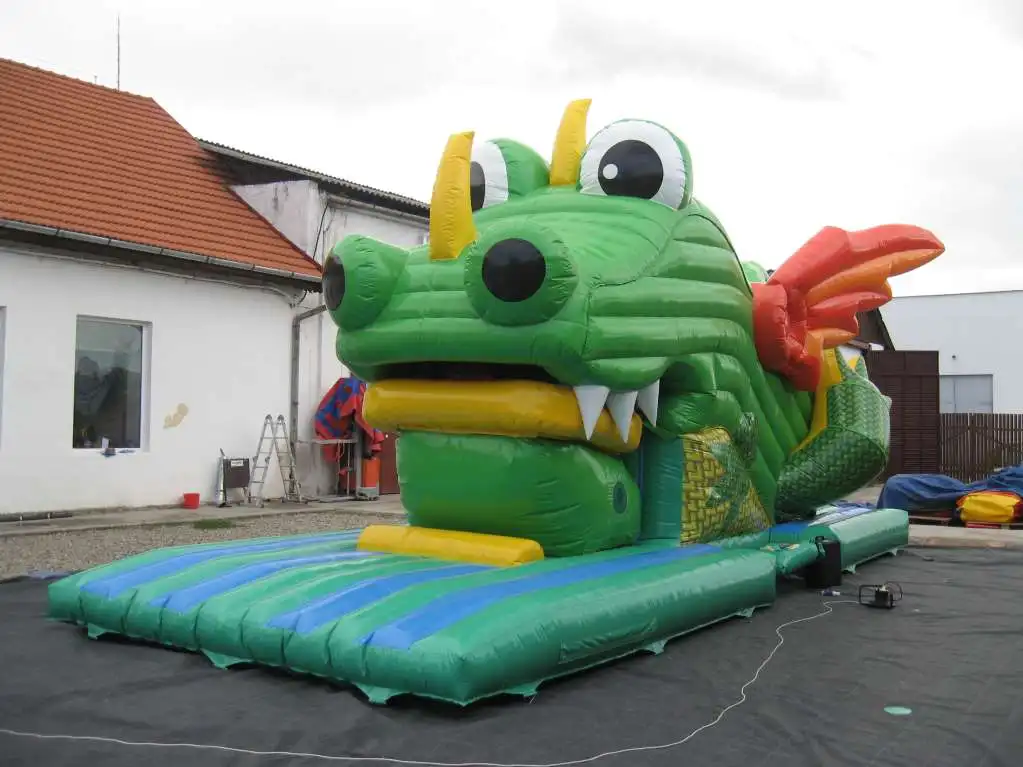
{"x":118,"y":50}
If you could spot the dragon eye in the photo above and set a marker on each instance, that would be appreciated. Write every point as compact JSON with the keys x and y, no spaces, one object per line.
{"x":333,"y":282}
{"x":635,"y":158}
{"x":488,"y":176}
{"x":518,"y":272}
{"x":513,"y":270}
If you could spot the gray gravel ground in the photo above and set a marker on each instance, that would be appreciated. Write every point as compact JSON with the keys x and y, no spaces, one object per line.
{"x":80,"y":549}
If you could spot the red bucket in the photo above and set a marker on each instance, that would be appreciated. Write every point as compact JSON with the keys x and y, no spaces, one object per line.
{"x":190,"y":501}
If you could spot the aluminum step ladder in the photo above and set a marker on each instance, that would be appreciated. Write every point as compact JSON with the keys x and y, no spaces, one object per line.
{"x":273,"y":440}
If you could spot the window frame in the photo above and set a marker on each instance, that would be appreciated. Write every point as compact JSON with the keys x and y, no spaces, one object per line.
{"x":144,"y":383}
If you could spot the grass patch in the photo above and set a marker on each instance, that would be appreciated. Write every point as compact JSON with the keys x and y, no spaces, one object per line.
{"x":212,"y":524}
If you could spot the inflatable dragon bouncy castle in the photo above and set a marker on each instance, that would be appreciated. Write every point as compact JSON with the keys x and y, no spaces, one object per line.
{"x":613,"y":432}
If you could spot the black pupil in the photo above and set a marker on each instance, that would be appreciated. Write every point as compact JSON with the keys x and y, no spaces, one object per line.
{"x":333,"y":283}
{"x":477,"y":185}
{"x":631,"y":168}
{"x":514,"y":270}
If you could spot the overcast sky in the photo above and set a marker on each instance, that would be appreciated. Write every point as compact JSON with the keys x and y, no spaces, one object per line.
{"x":797,"y":114}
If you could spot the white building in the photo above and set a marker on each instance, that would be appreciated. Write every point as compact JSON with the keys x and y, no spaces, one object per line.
{"x":976,"y":336}
{"x":315,"y":212}
{"x":145,"y":306}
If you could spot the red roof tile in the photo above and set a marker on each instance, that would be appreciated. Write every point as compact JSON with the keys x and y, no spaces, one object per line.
{"x":104,"y":162}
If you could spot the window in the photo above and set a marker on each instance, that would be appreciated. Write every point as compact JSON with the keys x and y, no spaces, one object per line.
{"x":967,"y":394}
{"x":109,"y":359}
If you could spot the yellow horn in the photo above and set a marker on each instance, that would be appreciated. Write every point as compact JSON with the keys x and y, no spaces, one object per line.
{"x":451,"y":226}
{"x":570,"y":143}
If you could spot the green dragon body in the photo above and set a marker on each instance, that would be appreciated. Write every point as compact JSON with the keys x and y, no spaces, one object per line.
{"x":601,"y":274}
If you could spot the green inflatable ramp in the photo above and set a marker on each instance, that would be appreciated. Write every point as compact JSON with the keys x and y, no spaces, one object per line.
{"x":393,"y":624}
{"x":864,"y":533}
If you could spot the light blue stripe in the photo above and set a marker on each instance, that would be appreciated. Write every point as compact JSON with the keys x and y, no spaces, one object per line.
{"x":821,"y":521}
{"x":841,"y":514}
{"x":185,"y":599}
{"x":334,"y":606}
{"x":451,"y":608}
{"x":113,"y":585}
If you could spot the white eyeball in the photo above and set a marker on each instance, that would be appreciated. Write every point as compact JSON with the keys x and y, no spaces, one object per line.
{"x":488,"y":176}
{"x":636,"y":158}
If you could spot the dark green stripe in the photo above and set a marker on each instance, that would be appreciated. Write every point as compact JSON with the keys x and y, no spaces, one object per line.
{"x":235,"y":624}
{"x":699,"y":576}
{"x":338,"y":647}
{"x":110,"y":612}
{"x":76,"y":581}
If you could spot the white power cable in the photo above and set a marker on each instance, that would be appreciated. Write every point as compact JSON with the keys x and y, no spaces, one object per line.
{"x":417,"y":763}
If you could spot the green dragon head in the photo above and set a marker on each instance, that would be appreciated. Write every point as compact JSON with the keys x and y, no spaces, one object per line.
{"x":559,"y":274}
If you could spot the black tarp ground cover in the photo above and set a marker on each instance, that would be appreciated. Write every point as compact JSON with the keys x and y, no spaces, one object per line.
{"x":951,"y":651}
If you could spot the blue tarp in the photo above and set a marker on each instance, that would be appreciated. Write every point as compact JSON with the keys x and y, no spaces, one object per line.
{"x":937,"y":492}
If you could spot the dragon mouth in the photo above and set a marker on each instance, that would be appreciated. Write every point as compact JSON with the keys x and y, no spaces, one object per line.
{"x":514,"y":400}
{"x":466,"y":371}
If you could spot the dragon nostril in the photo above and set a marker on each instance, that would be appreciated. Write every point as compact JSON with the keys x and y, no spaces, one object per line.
{"x":333,"y":283}
{"x":514,"y":269}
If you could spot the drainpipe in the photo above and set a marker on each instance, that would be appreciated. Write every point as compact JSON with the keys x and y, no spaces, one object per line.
{"x":296,"y":342}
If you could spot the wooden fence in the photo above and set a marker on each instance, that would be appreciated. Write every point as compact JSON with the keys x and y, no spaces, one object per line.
{"x":973,"y":445}
{"x":911,"y":380}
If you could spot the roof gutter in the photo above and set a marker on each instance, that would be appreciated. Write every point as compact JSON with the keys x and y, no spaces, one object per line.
{"x":866,"y":346}
{"x":296,"y":343}
{"x":347,"y":202}
{"x":417,"y":208}
{"x":313,"y":281}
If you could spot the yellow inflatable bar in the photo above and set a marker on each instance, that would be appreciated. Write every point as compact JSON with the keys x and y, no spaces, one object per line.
{"x":525,"y":409}
{"x":497,"y":550}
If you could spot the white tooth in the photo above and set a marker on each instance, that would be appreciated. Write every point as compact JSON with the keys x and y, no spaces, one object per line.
{"x":647,"y":401}
{"x":622,"y":404}
{"x":591,"y":401}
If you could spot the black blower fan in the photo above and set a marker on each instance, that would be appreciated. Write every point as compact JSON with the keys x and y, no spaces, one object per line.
{"x":883,"y":595}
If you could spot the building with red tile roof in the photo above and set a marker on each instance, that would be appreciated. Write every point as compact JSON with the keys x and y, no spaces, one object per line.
{"x":159,"y":296}
{"x":101,"y":166}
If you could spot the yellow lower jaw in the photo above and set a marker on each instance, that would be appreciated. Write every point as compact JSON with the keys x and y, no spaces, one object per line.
{"x":525,"y":409}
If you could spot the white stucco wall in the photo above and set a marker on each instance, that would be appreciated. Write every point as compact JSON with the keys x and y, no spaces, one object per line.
{"x":294,"y":208}
{"x":342,"y":220}
{"x":316,"y":223}
{"x":219,"y":349}
{"x":974,"y":334}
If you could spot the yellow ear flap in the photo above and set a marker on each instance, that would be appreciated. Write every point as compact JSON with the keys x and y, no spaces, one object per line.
{"x":451,"y":225}
{"x":570,"y":144}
